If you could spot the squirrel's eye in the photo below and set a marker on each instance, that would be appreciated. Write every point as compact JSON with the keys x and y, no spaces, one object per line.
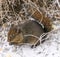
{"x":11,"y":36}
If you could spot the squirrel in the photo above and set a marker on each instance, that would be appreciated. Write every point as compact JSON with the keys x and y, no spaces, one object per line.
{"x":29,"y":32}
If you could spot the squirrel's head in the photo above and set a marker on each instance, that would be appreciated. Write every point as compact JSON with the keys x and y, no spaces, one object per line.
{"x":15,"y":35}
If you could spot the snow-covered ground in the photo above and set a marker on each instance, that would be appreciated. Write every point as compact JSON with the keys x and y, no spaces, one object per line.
{"x":50,"y":48}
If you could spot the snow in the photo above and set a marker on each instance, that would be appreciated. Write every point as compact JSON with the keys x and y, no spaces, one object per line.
{"x":49,"y":48}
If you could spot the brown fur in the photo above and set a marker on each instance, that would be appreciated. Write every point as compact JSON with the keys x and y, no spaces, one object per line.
{"x":29,"y":27}
{"x":45,"y":20}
